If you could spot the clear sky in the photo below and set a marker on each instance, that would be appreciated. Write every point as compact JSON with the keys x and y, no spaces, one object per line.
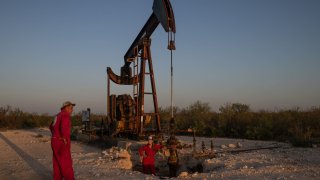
{"x":264,"y":53}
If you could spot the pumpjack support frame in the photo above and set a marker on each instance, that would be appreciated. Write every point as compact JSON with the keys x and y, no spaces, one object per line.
{"x":140,"y":53}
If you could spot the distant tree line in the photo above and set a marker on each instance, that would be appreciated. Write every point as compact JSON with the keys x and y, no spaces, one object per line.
{"x":236,"y":120}
{"x":15,"y":118}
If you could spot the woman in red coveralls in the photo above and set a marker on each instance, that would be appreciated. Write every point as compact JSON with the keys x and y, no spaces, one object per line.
{"x":147,"y":154}
{"x":60,"y":143}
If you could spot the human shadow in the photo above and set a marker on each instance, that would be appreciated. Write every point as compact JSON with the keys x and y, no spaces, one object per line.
{"x":37,"y":167}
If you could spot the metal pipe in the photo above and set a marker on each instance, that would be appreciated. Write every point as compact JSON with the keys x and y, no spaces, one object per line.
{"x":171,"y":85}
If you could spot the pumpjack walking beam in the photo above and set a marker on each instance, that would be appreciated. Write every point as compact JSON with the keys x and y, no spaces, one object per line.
{"x":162,"y":14}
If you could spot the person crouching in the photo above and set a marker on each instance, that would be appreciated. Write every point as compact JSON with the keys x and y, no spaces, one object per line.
{"x":147,"y":154}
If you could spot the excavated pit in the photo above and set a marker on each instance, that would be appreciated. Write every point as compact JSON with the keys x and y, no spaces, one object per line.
{"x":123,"y":154}
{"x":128,"y":158}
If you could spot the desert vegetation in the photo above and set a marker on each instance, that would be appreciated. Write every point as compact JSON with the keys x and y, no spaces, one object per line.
{"x":233,"y":120}
{"x":236,"y":120}
{"x":15,"y":118}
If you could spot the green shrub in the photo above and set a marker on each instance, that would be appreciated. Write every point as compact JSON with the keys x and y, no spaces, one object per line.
{"x":16,"y":119}
{"x":301,"y":128}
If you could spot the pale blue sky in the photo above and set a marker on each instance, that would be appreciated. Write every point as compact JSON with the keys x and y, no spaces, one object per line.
{"x":264,"y":53}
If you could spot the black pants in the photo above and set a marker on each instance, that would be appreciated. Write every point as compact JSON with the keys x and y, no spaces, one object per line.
{"x":173,"y":168}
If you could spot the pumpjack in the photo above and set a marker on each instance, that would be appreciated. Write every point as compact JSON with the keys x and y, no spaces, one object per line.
{"x":126,"y":113}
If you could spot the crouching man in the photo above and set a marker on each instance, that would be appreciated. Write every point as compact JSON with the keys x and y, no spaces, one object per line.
{"x":147,"y":154}
{"x":173,"y":159}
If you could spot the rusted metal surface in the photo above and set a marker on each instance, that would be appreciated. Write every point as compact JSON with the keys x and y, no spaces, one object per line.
{"x":121,"y":79}
{"x":139,"y":53}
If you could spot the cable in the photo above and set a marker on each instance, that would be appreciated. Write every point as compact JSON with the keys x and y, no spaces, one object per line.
{"x":171,"y":85}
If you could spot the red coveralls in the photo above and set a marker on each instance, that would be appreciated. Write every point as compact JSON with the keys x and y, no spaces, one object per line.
{"x":62,"y":162}
{"x":148,"y":157}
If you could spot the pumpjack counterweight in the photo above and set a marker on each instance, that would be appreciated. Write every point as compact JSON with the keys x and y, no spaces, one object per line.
{"x":126,"y":113}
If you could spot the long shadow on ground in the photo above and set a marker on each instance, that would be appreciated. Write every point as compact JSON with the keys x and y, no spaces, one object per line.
{"x":37,"y":167}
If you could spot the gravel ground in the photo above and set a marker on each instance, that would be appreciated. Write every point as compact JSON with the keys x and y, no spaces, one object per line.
{"x":26,"y":154}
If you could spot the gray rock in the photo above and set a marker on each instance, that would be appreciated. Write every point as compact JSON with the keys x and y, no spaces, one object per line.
{"x":239,"y":145}
{"x":223,"y":146}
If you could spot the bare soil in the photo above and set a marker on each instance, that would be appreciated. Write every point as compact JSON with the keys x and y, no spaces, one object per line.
{"x":27,"y":154}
